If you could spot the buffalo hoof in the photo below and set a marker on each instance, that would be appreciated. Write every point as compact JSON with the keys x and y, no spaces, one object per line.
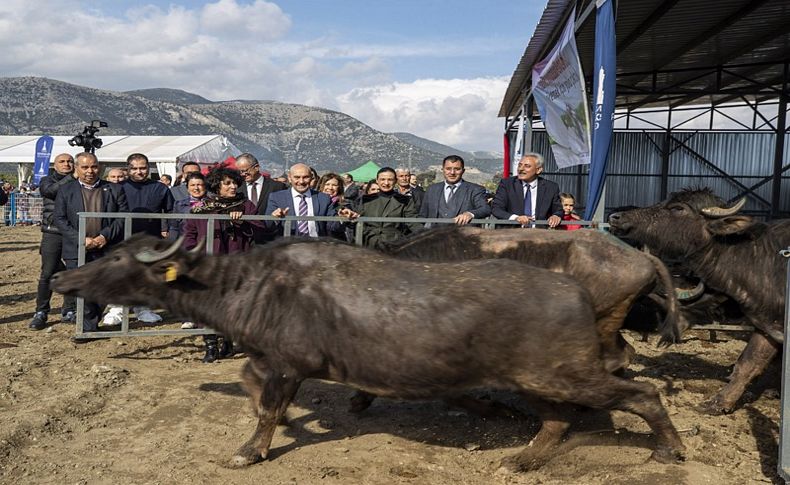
{"x":244,"y":458}
{"x":522,"y":463}
{"x":360,"y":401}
{"x":714,"y":407}
{"x":668,"y":455}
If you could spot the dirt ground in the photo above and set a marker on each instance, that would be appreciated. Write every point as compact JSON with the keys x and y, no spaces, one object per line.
{"x":146,"y":410}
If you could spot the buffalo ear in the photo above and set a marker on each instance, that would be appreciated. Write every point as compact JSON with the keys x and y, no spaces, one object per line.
{"x":168,"y":271}
{"x":730,"y":225}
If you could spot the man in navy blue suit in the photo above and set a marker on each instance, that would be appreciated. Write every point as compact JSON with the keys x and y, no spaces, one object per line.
{"x":527,"y":197}
{"x":301,"y":200}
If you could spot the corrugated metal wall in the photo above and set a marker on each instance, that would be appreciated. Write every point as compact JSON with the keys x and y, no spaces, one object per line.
{"x":634,"y":170}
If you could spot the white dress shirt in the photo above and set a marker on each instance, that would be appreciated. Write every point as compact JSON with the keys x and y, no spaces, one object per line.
{"x":533,"y":187}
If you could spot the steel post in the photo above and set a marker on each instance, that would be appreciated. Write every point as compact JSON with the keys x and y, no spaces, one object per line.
{"x":783,"y":465}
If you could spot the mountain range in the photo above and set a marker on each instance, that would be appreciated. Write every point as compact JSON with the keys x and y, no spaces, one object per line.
{"x":279,"y":134}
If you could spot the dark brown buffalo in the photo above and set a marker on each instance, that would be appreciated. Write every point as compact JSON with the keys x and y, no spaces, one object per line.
{"x":614,"y":274}
{"x":733,"y":254}
{"x":327,"y":310}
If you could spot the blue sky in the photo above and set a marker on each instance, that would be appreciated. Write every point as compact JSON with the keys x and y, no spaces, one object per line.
{"x":437,"y":69}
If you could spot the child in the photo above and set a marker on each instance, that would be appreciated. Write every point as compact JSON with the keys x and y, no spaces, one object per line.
{"x":568,"y":202}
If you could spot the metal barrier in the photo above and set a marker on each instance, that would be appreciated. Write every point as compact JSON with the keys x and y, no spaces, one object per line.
{"x":23,"y":209}
{"x":783,"y":464}
{"x":287,"y":222}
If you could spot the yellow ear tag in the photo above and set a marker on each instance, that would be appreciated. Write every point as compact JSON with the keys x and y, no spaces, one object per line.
{"x":171,"y":274}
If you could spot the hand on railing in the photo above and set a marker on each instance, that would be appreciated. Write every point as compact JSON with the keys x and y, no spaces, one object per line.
{"x":280,"y":212}
{"x":347,"y":213}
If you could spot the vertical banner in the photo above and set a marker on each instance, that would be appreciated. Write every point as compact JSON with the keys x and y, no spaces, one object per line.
{"x":603,"y":110}
{"x":558,"y":90}
{"x":506,"y":147}
{"x":43,"y":154}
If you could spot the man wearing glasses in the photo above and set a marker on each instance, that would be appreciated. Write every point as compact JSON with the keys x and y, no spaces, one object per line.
{"x":257,"y":188}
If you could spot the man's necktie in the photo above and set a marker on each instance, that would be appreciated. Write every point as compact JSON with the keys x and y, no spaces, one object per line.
{"x":451,"y":188}
{"x":302,"y":225}
{"x":528,"y":201}
{"x":254,"y":194}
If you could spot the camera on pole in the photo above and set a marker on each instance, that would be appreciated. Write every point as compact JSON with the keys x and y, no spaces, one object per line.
{"x":88,"y":139}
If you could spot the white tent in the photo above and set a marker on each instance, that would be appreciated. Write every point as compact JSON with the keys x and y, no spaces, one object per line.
{"x":164,"y":152}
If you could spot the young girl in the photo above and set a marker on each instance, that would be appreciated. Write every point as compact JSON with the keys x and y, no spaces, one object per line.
{"x":568,"y":202}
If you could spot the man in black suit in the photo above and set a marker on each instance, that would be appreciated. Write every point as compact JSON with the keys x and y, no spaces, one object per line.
{"x":455,"y":198}
{"x":88,"y":193}
{"x":257,"y":188}
{"x":403,"y":175}
{"x":511,"y":201}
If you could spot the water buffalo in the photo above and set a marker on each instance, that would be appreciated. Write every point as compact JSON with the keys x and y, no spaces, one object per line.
{"x":321,"y":309}
{"x":614,"y":274}
{"x":733,"y":254}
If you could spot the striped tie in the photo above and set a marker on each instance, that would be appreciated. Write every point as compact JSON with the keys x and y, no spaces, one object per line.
{"x":302,"y":226}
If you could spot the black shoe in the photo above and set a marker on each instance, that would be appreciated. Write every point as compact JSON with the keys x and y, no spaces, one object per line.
{"x":69,"y":317}
{"x":39,"y":321}
{"x":212,"y":354}
{"x":226,"y":349}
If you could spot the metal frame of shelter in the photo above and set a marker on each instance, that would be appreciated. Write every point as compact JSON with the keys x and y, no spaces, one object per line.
{"x":684,"y":60}
{"x":671,"y":56}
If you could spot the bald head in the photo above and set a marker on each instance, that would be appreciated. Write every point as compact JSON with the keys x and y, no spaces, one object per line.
{"x":300,"y":177}
{"x":64,"y":164}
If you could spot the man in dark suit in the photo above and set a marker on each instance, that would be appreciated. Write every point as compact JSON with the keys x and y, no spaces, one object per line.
{"x":301,"y":200}
{"x":257,"y":188}
{"x":88,"y":193}
{"x":455,"y":198}
{"x":511,"y":201}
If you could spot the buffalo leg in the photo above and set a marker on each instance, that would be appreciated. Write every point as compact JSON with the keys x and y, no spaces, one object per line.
{"x":615,"y":351}
{"x":643,"y":400}
{"x":751,"y":363}
{"x":274,"y":393}
{"x":542,"y":447}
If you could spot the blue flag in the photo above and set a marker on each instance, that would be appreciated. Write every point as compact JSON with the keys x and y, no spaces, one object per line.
{"x":604,"y":87}
{"x":44,"y":147}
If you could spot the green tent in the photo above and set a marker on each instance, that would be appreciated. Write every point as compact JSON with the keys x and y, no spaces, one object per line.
{"x":364,"y":172}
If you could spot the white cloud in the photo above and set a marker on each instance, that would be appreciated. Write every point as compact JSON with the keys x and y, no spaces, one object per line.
{"x":230,"y":49}
{"x":457,"y":112}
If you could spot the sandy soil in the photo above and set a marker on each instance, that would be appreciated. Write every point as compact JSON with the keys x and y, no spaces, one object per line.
{"x":146,"y":410}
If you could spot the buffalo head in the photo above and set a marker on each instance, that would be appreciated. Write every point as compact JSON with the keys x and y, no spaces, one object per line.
{"x":135,"y":272}
{"x":683,"y":224}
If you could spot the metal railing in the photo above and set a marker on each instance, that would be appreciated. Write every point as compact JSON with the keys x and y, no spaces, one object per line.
{"x":23,"y":209}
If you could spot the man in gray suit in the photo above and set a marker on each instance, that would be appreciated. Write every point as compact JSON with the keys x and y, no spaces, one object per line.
{"x":455,"y":198}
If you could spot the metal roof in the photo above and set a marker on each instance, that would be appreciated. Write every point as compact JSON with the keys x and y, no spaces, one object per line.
{"x":674,"y":52}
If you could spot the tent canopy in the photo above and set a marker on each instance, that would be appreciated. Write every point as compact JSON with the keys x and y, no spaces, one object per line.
{"x":165,"y":152}
{"x":364,"y":172}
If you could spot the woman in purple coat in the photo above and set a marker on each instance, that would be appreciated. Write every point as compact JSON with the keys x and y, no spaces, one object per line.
{"x":230,"y":237}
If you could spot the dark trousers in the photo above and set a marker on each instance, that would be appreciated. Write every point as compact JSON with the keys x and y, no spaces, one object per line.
{"x":51,"y":263}
{"x":93,"y":311}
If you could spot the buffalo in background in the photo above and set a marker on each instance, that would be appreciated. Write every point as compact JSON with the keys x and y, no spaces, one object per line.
{"x":733,"y":254}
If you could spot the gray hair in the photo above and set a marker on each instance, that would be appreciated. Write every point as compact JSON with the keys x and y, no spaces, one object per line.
{"x":249,"y":157}
{"x":537,"y":156}
{"x":402,"y":169}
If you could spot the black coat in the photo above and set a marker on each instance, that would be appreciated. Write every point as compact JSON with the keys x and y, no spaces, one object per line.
{"x":509,"y":199}
{"x":48,"y":188}
{"x":264,"y":234}
{"x":69,"y":202}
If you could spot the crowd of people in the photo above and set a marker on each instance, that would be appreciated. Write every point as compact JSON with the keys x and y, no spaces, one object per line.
{"x":75,"y":186}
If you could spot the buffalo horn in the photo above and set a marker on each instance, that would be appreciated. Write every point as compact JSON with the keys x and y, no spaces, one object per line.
{"x":690,"y":294}
{"x":199,"y":248}
{"x":723,"y":212}
{"x":151,"y":256}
